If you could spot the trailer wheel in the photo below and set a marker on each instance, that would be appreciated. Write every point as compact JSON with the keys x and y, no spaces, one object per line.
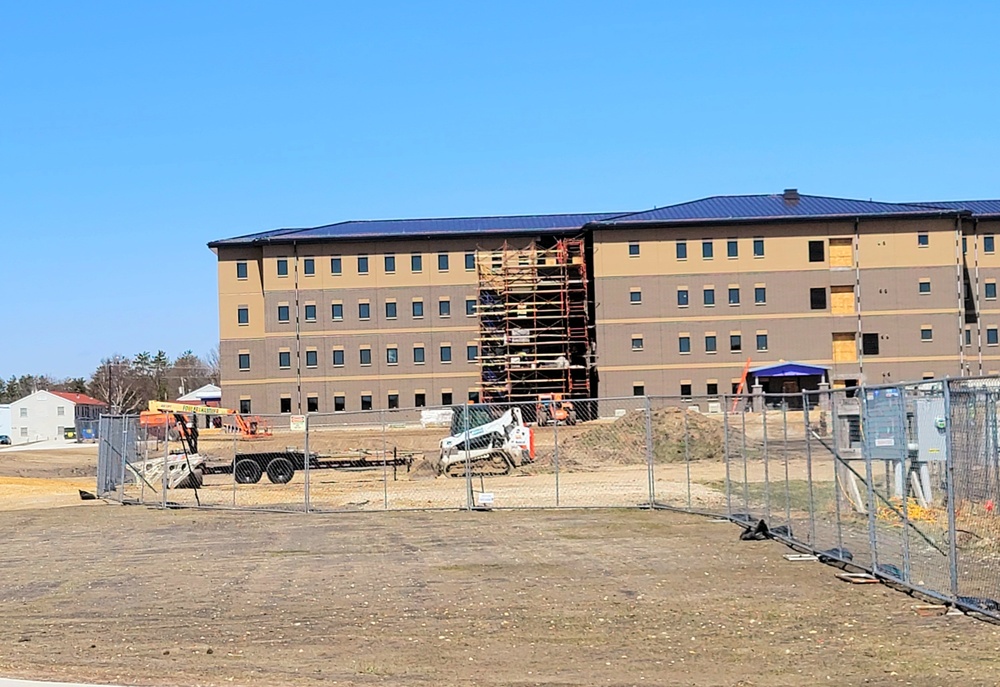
{"x":280,"y":471}
{"x":571,"y":417}
{"x":247,"y":471}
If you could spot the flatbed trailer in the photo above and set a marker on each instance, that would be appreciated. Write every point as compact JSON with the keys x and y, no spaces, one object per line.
{"x":280,"y":466}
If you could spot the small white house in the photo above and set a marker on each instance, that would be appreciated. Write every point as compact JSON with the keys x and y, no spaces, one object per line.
{"x":46,"y":415}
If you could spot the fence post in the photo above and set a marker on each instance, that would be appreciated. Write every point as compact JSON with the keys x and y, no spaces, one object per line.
{"x":124,"y":456}
{"x":767,"y":460}
{"x":555,"y":458}
{"x":687,"y":457}
{"x":743,"y":450}
{"x":950,"y":488}
{"x":305,"y":466}
{"x":725,"y":451}
{"x":809,"y":468}
{"x":385,"y":458}
{"x":870,"y":507}
{"x":649,"y":451}
{"x":834,"y":425}
{"x":166,"y":459}
{"x":468,"y":462}
{"x":784,"y":457}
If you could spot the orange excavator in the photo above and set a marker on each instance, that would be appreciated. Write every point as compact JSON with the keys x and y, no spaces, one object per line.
{"x":166,"y":414}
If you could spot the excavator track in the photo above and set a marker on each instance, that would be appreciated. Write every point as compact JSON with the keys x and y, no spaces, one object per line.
{"x":494,"y":464}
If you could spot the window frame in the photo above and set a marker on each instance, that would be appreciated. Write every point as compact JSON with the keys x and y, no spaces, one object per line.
{"x":364,"y":265}
{"x":732,"y":249}
{"x":760,"y":295}
{"x":309,"y":267}
{"x":443,"y":262}
{"x":305,"y":312}
{"x":633,"y":249}
{"x":364,"y":311}
{"x":681,"y":249}
{"x":336,"y":265}
{"x":284,"y":355}
{"x":364,"y":353}
{"x":442,"y":350}
{"x":817,"y":251}
{"x":239,"y":362}
{"x":708,"y":249}
{"x":242,"y":270}
{"x":758,"y":241}
{"x":243,"y":315}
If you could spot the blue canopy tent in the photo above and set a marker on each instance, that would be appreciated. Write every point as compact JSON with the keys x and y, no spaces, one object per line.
{"x":789,"y":378}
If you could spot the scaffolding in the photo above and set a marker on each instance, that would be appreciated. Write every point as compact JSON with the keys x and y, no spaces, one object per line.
{"x":535,"y":335}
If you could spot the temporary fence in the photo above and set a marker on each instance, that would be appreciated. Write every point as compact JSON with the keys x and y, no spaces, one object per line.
{"x":900,"y":482}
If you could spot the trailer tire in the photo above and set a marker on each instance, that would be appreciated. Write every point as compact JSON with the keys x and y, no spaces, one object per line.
{"x":280,"y":471}
{"x":247,"y":471}
{"x":571,"y":417}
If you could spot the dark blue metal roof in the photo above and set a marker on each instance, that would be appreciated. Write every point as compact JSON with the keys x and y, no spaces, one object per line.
{"x":788,"y":370}
{"x":416,"y":228}
{"x":776,"y":206}
{"x":978,"y":208}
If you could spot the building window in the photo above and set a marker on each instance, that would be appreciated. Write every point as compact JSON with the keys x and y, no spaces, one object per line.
{"x":817,"y":252}
{"x":636,"y":343}
{"x":926,"y":334}
{"x":418,"y":355}
{"x":312,"y":359}
{"x":682,"y":250}
{"x":988,"y":243}
{"x":338,"y":357}
{"x":869,"y":344}
{"x":241,"y":270}
{"x":682,"y":298}
{"x":686,"y":390}
{"x":364,"y":311}
{"x":390,"y":310}
{"x":244,"y":406}
{"x":638,"y":389}
{"x":285,"y":405}
{"x":24,"y":412}
{"x":365,"y":356}
{"x":446,"y":398}
{"x":923,"y":239}
{"x":711,"y":343}
{"x":312,"y":404}
{"x":416,"y":262}
{"x":758,"y":247}
{"x":244,"y":360}
{"x":445,"y":354}
{"x":635,"y":297}
{"x":707,"y":250}
{"x":310,"y":312}
{"x":991,"y":290}
{"x":684,"y":344}
{"x":339,"y":403}
{"x":282,"y":267}
{"x":762,"y":342}
{"x":442,"y":262}
{"x":309,"y":267}
{"x":390,"y":263}
{"x":418,"y":309}
{"x":735,"y":343}
{"x":336,"y":266}
{"x":337,"y":311}
{"x":968,"y":337}
{"x":817,"y":298}
{"x":470,"y":307}
{"x":61,"y":411}
{"x":759,"y":295}
{"x":470,"y":262}
{"x":420,"y":400}
{"x":633,"y":250}
{"x":965,"y":245}
{"x":444,"y":308}
{"x":473,"y":397}
{"x":712,"y":388}
{"x":393,"y":401}
{"x":283,"y":313}
{"x":243,"y":315}
{"x":392,"y":356}
{"x":362,"y":264}
{"x":734,"y":295}
{"x":471,"y":353}
{"x":732,"y":248}
{"x":708,"y":297}
{"x":924,"y":286}
{"x":366,"y":402}
{"x":284,"y":360}
{"x":991,"y":336}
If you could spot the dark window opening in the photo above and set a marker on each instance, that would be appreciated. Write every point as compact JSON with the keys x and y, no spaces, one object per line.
{"x":339,"y":404}
{"x":393,"y":401}
{"x":285,"y":405}
{"x":312,"y":404}
{"x":245,"y":406}
{"x":817,"y":251}
{"x":817,"y":298}
{"x":869,"y":344}
{"x":419,"y":400}
{"x":366,"y":402}
{"x":446,"y":398}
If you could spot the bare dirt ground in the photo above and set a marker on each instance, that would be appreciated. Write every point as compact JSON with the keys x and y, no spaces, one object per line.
{"x":137,"y":596}
{"x":46,"y":478}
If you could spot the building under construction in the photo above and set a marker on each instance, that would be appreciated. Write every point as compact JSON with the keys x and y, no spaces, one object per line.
{"x":535,"y":332}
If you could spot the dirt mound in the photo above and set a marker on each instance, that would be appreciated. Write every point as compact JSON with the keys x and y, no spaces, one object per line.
{"x":623,"y":442}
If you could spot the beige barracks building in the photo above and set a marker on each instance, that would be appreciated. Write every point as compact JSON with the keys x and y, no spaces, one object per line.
{"x":677,"y":300}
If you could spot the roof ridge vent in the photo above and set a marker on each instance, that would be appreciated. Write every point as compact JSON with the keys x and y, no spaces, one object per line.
{"x":791,"y":195}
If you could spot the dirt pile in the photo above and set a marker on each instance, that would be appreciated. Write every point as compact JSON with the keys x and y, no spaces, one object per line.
{"x":623,"y":442}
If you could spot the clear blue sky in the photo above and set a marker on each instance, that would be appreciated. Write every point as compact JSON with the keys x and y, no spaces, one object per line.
{"x":131,"y":133}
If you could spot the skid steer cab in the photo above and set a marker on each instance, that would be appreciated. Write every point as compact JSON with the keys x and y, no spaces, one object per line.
{"x":552,"y":409}
{"x":486,"y":440}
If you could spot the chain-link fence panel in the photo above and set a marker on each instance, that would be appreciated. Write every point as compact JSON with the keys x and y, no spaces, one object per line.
{"x":974,"y":491}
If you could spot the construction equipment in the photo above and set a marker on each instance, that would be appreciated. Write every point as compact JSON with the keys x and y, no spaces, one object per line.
{"x":166,"y":414}
{"x":486,"y":440}
{"x":552,"y":408}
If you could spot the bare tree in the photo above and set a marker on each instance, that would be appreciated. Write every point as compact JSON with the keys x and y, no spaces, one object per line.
{"x":116,"y":382}
{"x":213,"y":364}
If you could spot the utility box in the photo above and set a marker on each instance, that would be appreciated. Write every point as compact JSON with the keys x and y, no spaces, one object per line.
{"x":931,"y":425}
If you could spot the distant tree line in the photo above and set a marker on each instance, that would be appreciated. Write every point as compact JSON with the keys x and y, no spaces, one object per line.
{"x":126,"y":383}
